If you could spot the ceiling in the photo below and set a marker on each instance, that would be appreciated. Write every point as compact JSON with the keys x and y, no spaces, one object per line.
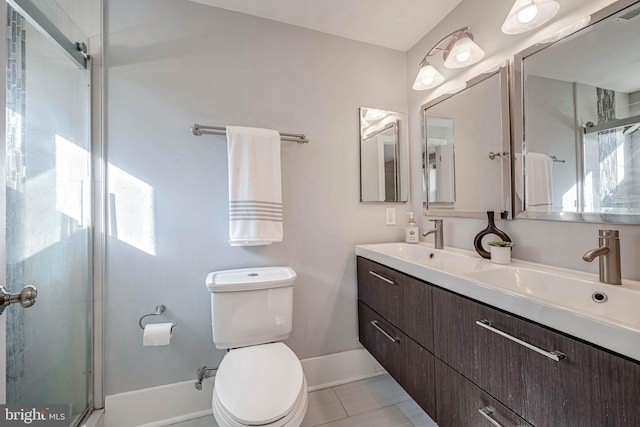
{"x":393,"y":24}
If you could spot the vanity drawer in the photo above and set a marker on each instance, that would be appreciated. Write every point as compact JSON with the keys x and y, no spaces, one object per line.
{"x":401,"y":299}
{"x":513,"y":360}
{"x":405,"y":360}
{"x":461,"y":403}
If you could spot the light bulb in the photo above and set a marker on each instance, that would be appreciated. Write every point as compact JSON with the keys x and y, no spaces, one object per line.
{"x":427,"y":80}
{"x":463,"y":56}
{"x":462,"y":51}
{"x":527,"y":13}
{"x":428,"y":77}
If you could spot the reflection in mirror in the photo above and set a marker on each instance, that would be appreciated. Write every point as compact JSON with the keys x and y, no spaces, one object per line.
{"x":577,"y":139}
{"x":473,"y":123}
{"x":440,"y":160}
{"x":383,"y":158}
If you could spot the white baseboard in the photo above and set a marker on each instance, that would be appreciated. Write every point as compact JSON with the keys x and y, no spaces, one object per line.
{"x":172,"y":403}
{"x":340,"y":368}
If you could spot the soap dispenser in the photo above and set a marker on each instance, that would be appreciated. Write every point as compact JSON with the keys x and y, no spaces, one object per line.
{"x":412,"y":234}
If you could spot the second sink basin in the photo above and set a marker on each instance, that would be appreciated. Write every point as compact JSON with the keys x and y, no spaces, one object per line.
{"x":617,"y":303}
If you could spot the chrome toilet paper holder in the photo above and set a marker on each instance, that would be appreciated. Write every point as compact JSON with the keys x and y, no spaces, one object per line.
{"x":159,"y":311}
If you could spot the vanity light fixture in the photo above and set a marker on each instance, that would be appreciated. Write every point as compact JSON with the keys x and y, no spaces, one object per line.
{"x":428,"y":76}
{"x":459,"y":50}
{"x":526,"y":15}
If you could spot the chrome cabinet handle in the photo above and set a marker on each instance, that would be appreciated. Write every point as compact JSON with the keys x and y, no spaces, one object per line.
{"x":374,"y":274}
{"x":392,"y":339}
{"x":26,"y":297}
{"x":487,"y":412}
{"x":553,"y":355}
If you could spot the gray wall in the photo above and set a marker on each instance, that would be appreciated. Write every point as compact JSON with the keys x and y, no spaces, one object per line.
{"x":556,"y":243}
{"x":172,"y":63}
{"x":552,"y":131}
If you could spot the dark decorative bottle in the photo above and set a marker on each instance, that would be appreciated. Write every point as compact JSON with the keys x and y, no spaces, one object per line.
{"x":491,"y":229}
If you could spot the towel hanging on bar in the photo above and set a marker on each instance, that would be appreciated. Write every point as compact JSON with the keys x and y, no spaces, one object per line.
{"x":255,"y":189}
{"x":198,"y":130}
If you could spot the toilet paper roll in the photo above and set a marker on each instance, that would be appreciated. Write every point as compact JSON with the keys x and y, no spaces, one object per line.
{"x":156,"y":334}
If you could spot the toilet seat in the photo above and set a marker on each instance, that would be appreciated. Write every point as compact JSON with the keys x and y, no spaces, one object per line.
{"x":261,"y":385}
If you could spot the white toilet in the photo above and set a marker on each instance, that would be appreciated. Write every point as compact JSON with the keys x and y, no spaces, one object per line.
{"x":259,"y":382}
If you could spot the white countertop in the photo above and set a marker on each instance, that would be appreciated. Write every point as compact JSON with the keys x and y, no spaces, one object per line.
{"x":555,"y":297}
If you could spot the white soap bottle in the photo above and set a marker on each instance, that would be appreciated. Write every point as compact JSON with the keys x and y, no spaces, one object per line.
{"x":412,"y":233}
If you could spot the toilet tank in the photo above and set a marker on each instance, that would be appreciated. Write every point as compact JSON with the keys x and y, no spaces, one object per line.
{"x":251,"y":305}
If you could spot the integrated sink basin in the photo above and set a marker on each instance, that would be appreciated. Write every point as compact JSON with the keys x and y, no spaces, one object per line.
{"x":569,"y":301}
{"x":421,"y":253}
{"x":617,"y":303}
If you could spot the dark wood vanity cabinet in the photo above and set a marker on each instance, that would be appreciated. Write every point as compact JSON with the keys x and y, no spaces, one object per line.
{"x":394,"y":319}
{"x":487,"y":360}
{"x":460,"y":403}
{"x":586,"y":386}
{"x":403,"y":300}
{"x":405,"y":360}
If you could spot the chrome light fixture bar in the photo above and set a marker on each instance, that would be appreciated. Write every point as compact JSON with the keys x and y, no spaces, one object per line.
{"x":525,"y":15}
{"x":459,"y":50}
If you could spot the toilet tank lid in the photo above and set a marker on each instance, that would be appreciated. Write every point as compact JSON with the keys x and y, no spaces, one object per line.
{"x":246,"y":279}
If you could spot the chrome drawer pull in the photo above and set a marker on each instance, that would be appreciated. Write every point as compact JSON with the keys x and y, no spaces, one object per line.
{"x":486,"y":412}
{"x":553,"y":355}
{"x":374,"y":274}
{"x":375,"y":325}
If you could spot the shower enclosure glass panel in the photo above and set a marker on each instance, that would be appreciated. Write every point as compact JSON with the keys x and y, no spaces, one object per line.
{"x":47,"y":222}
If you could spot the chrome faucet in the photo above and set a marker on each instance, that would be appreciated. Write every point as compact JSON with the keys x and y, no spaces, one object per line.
{"x":609,"y":253}
{"x":438,"y":233}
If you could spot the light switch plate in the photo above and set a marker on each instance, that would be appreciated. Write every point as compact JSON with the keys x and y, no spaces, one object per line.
{"x":390,"y":218}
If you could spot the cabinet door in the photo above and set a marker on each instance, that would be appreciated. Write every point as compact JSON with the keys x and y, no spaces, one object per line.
{"x":460,"y":403}
{"x":405,"y":360}
{"x":401,"y":299}
{"x":589,"y":387}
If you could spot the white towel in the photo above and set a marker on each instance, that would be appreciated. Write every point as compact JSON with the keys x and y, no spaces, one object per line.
{"x":255,"y":190}
{"x":539,"y":182}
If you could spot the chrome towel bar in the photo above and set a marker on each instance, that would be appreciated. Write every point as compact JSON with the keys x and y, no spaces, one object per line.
{"x":198,"y":130}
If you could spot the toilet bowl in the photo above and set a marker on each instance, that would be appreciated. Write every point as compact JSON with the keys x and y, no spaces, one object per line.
{"x":261,"y":385}
{"x":260,"y":381}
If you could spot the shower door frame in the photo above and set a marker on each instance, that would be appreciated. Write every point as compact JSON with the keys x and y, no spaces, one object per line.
{"x":95,"y":133}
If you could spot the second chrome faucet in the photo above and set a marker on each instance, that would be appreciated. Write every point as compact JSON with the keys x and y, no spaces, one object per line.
{"x":438,"y":233}
{"x":608,"y":253}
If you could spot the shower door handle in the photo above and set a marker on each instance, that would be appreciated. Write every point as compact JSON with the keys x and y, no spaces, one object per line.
{"x":27,"y":297}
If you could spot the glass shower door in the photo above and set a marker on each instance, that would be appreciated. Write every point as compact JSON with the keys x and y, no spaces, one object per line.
{"x":47,"y":221}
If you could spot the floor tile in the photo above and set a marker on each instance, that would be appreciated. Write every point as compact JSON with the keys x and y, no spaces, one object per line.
{"x":374,"y":402}
{"x":370,"y":394}
{"x":415,"y":414}
{"x":323,"y":407}
{"x":390,"y":416}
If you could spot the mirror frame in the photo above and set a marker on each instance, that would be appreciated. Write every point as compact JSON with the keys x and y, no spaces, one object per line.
{"x":403,"y":188}
{"x":518,"y":120}
{"x":437,"y":209}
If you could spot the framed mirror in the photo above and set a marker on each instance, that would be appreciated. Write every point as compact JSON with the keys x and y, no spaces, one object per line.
{"x":466,"y":146}
{"x":577,"y":120}
{"x":384,"y":174}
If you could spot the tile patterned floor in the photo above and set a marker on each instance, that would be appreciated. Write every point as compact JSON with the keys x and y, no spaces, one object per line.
{"x":374,"y":402}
